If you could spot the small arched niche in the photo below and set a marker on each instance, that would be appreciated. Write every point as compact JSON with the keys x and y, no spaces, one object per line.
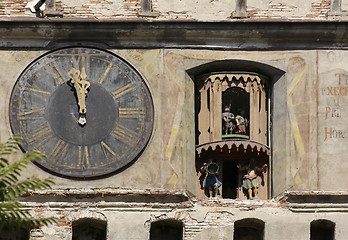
{"x":89,"y":229}
{"x":14,"y":234}
{"x":322,"y":230}
{"x":169,"y":229}
{"x":249,"y":229}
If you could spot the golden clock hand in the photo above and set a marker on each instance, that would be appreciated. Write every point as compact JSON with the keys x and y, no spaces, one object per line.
{"x":78,"y":79}
{"x":83,"y":86}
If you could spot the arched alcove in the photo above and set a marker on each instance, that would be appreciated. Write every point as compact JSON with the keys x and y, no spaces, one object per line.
{"x":322,"y":230}
{"x":249,"y":229}
{"x":89,"y":229}
{"x":241,"y":92}
{"x":169,"y":229}
{"x":14,"y":234}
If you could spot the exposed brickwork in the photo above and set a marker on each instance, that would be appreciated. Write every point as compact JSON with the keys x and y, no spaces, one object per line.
{"x":214,"y":219}
{"x":130,"y":9}
{"x":13,"y":7}
{"x":320,"y":9}
{"x":98,"y":9}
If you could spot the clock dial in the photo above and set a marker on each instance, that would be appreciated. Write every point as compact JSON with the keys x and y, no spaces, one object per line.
{"x":88,"y":110}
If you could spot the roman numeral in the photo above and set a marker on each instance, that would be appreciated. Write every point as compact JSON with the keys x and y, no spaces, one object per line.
{"x":105,"y":73}
{"x":131,"y":112}
{"x":60,"y":79}
{"x":123,"y":90}
{"x":106,"y":149}
{"x":59,"y":151}
{"x":39,"y":91}
{"x":40,"y":135}
{"x":83,"y":156}
{"x":76,"y":62}
{"x":33,"y":114}
{"x":124,"y":134}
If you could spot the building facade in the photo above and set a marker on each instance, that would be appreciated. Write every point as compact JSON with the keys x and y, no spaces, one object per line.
{"x":157,"y":116}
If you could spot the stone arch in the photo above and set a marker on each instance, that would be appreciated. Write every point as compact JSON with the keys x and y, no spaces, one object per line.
{"x":89,"y":228}
{"x":249,"y":229}
{"x":170,"y":229}
{"x":86,"y":214}
{"x":322,"y":229}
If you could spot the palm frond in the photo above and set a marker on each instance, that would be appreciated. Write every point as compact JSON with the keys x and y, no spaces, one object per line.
{"x":12,"y":214}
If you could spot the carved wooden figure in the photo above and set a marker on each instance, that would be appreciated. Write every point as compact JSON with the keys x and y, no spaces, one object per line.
{"x":249,"y":179}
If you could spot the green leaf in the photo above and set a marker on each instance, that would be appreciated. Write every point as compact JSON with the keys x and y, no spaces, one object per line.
{"x":12,"y":215}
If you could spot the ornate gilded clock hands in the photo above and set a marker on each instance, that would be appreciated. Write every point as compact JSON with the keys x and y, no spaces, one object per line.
{"x":81,"y":85}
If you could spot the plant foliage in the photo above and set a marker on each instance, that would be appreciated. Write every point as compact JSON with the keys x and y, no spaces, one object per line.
{"x":12,"y":214}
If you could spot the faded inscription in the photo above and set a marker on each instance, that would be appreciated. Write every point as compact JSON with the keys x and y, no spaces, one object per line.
{"x":333,"y":109}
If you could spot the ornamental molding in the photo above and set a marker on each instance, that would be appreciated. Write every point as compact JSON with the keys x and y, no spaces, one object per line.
{"x":230,"y":35}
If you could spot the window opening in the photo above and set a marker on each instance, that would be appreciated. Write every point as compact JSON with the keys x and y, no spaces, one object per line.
{"x":248,"y":229}
{"x":322,"y":230}
{"x":89,"y":229}
{"x":235,"y":104}
{"x":21,"y":234}
{"x":230,"y":179}
{"x":166,"y":229}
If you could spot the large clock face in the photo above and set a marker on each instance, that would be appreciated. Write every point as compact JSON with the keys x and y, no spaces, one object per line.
{"x":88,"y":110}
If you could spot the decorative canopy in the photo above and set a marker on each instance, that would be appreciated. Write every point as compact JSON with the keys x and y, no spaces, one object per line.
{"x":238,"y":145}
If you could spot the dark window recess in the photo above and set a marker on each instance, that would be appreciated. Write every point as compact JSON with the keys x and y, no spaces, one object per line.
{"x":21,"y":234}
{"x":248,"y":229}
{"x":89,"y":229}
{"x":322,"y":230}
{"x":237,"y":100}
{"x":229,"y":179}
{"x":166,"y":229}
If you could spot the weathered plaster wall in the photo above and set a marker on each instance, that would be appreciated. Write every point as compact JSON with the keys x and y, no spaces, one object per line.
{"x":308,"y":129}
{"x":162,"y":163}
{"x":216,"y":10}
{"x":332,"y":120}
{"x":203,"y":221}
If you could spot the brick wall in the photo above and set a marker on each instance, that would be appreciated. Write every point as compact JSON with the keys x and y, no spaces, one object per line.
{"x":129,"y":9}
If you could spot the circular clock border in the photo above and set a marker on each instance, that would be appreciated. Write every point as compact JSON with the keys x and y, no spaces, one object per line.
{"x":84,"y":174}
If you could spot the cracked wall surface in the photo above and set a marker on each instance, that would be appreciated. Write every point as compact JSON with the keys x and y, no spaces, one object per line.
{"x":216,"y":10}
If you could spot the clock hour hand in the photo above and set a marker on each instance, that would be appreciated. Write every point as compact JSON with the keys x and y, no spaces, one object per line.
{"x":81,"y":85}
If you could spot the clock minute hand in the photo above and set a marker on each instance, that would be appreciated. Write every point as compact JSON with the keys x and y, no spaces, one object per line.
{"x":83,"y":86}
{"x":78,"y":79}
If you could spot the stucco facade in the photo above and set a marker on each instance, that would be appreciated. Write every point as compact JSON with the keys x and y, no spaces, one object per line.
{"x":300,"y":48}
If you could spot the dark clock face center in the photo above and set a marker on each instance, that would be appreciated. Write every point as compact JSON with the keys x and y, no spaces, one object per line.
{"x":63,"y":115}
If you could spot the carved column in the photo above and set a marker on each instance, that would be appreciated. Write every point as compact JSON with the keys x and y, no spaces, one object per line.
{"x":215,"y":110}
{"x":203,"y":115}
{"x":263,"y":116}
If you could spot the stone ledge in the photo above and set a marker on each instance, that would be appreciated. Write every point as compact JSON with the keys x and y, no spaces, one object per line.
{"x":107,"y":195}
{"x":319,"y":197}
{"x":152,"y":14}
{"x":315,"y":201}
{"x":236,"y":35}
